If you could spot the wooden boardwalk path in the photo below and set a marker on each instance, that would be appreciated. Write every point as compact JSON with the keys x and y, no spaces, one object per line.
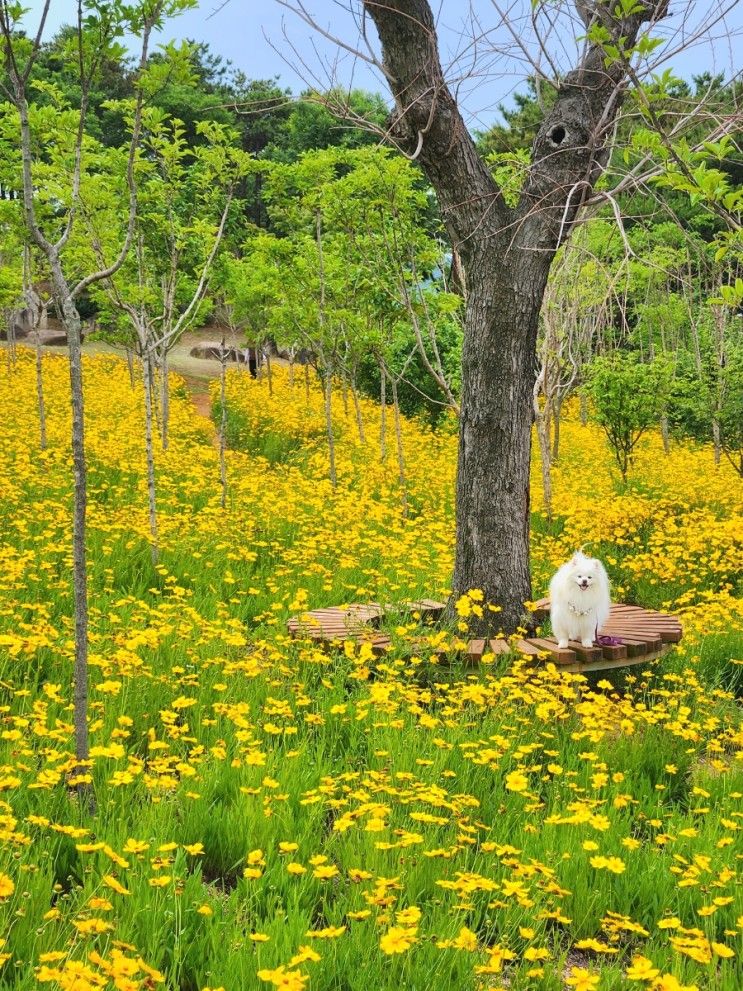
{"x":645,"y":634}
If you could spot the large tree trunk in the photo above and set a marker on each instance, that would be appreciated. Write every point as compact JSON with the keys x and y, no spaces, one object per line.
{"x":492,"y":501}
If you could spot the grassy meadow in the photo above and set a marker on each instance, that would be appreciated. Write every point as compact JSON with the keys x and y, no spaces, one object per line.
{"x":271,"y":815}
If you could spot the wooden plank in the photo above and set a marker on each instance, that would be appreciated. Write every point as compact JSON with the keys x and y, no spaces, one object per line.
{"x":585,"y":653}
{"x":645,"y":626}
{"x":645,"y":633}
{"x":557,"y":656}
{"x":426,"y":606}
{"x":499,"y":646}
{"x":604,"y":665}
{"x":635,"y":648}
{"x":475,"y":650}
{"x":613,"y":652}
{"x":646,"y":617}
{"x":525,"y":647}
{"x":671,"y":636}
{"x":631,"y":632}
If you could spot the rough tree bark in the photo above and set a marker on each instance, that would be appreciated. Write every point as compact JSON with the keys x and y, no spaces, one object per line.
{"x":505,"y":254}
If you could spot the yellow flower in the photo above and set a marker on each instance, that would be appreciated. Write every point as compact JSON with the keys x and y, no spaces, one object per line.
{"x":669,"y":983}
{"x":325,"y":872}
{"x":613,"y":864}
{"x":517,"y":781}
{"x":7,"y":886}
{"x":305,"y":954}
{"x":330,"y":932}
{"x":720,"y":950}
{"x":642,"y":969}
{"x":397,"y":940}
{"x":285,"y":980}
{"x":410,"y":916}
{"x":497,"y":956}
{"x":92,"y":926}
{"x":582,"y":979}
{"x":532,"y":953}
{"x":110,"y":881}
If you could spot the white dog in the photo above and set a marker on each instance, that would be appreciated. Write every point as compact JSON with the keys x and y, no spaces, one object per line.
{"x":579,"y":600}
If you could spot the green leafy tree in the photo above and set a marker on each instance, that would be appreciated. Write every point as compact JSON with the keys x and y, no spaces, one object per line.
{"x":628,"y":395}
{"x":100,"y":28}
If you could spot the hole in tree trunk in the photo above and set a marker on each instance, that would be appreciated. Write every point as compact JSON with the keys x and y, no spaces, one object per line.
{"x":557,"y":135}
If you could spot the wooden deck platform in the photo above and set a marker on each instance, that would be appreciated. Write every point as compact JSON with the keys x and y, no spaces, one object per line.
{"x":645,"y":634}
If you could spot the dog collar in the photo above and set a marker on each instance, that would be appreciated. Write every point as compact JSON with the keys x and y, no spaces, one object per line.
{"x":579,"y":612}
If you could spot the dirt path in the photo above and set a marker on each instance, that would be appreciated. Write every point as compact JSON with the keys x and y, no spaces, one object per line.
{"x":198,"y":390}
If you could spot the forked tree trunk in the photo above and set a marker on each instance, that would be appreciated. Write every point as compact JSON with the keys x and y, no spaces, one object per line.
{"x":716,"y":441}
{"x":307,"y":384}
{"x":359,"y":418}
{"x":583,"y":409}
{"x":329,"y":425}
{"x":164,"y":401}
{"x":382,"y":416}
{"x":150,"y":455}
{"x":401,"y":473}
{"x":506,"y":253}
{"x":11,"y":343}
{"x":79,"y":512}
{"x":542,"y":426}
{"x":154,"y":405}
{"x":40,"y":393}
{"x":269,"y":372}
{"x":130,"y":366}
{"x":223,"y":421}
{"x":665,"y":434}
{"x":557,"y":421}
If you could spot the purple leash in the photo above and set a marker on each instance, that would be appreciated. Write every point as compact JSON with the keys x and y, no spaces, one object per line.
{"x":604,"y":641}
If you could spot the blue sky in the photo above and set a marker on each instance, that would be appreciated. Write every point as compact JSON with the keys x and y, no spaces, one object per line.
{"x":258,"y":37}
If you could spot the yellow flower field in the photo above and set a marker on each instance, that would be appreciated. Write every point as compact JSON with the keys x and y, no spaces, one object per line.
{"x":269,"y":815}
